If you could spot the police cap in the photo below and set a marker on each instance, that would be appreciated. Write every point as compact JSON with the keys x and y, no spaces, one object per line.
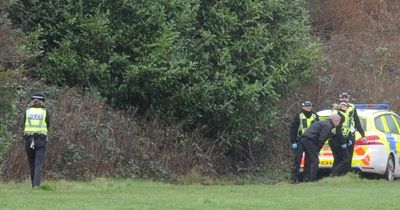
{"x":344,"y":95}
{"x":306,"y":103}
{"x":38,"y":96}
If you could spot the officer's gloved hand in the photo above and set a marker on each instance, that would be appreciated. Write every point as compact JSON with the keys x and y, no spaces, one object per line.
{"x":294,"y":146}
{"x":343,"y":146}
{"x":349,"y":143}
{"x":364,"y":139}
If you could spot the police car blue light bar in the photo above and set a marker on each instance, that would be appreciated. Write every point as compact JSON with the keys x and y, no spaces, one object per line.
{"x":382,"y":106}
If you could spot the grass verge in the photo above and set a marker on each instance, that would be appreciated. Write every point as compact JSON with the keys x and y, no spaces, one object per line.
{"x":349,"y":192}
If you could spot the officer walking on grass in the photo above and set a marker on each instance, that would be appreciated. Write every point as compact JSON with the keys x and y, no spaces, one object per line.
{"x":299,"y":125}
{"x":312,"y":139}
{"x":37,"y":123}
{"x":355,"y":124}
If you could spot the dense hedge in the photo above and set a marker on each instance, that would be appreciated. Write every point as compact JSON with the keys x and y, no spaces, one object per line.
{"x":8,"y":92}
{"x":217,"y":65}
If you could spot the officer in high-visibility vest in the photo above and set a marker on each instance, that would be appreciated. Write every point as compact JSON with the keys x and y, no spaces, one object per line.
{"x":37,"y":123}
{"x":338,"y":142}
{"x":299,"y":125}
{"x":355,"y":124}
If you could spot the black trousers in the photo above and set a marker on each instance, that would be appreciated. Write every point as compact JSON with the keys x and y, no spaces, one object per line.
{"x":311,"y":149}
{"x":298,"y":154}
{"x":36,"y":156}
{"x":341,"y":157}
{"x":350,"y":150}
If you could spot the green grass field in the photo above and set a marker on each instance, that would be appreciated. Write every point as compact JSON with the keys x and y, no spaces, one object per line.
{"x":349,"y":192}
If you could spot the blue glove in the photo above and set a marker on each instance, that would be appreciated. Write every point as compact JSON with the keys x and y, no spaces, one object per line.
{"x":349,"y":143}
{"x":343,"y":146}
{"x":294,"y":145}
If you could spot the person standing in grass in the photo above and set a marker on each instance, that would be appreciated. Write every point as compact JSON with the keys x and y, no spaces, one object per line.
{"x":338,"y":143}
{"x":355,"y":124}
{"x":36,"y":127}
{"x":299,"y":125}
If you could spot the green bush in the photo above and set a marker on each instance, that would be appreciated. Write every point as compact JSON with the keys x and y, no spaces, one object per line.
{"x":8,"y":91}
{"x":219,"y":66}
{"x":72,"y":164}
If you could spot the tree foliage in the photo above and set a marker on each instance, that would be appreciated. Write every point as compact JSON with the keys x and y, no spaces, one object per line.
{"x":217,"y":65}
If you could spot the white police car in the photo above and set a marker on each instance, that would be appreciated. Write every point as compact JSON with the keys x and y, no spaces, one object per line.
{"x":379,"y":153}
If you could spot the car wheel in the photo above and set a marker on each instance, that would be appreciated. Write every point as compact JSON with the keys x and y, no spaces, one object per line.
{"x":389,"y":174}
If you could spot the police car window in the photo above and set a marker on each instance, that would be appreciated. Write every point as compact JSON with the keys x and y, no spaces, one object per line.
{"x":397,"y":119}
{"x":363,"y":123}
{"x":391,"y":125}
{"x":379,"y":124}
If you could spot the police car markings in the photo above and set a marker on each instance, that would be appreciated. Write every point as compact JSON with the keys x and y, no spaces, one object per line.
{"x":391,"y":142}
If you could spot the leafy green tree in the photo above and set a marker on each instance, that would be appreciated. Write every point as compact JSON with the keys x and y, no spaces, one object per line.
{"x":215,"y":65}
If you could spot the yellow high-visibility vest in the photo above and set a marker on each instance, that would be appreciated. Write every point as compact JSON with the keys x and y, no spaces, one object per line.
{"x":305,"y":122}
{"x":35,"y":121}
{"x":346,"y":124}
{"x":350,"y":113}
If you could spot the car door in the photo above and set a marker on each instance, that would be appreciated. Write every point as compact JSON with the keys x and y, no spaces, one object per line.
{"x":392,"y":132}
{"x":397,"y":122}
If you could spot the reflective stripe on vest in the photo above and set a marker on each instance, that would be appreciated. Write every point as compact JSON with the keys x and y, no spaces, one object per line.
{"x":346,"y":123}
{"x":35,"y":121}
{"x":305,"y":122}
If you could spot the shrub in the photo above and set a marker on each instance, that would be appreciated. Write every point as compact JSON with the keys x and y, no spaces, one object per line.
{"x":219,"y":66}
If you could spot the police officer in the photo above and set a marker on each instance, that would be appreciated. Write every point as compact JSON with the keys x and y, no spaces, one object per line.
{"x":299,"y":125}
{"x":338,"y":142}
{"x":355,"y":124}
{"x":37,"y":123}
{"x":315,"y":136}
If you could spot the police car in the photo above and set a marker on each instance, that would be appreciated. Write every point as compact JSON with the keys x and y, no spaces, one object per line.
{"x":379,"y":153}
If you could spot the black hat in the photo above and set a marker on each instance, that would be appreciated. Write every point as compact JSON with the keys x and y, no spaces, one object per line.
{"x":344,"y":95}
{"x":306,"y":103}
{"x":38,"y":96}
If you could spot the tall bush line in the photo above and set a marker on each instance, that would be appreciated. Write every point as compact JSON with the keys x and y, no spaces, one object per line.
{"x":216,"y":65}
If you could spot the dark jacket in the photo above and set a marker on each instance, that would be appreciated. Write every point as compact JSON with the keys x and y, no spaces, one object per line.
{"x":294,"y":126}
{"x":47,"y":115}
{"x":357,"y":123}
{"x":320,"y":131}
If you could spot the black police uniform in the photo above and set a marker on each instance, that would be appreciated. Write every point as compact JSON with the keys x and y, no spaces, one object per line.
{"x":36,"y":154}
{"x":298,"y":152}
{"x":340,"y":155}
{"x":311,"y":141}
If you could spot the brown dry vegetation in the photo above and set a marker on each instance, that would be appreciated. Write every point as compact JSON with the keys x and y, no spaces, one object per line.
{"x":89,"y":140}
{"x":361,"y":53}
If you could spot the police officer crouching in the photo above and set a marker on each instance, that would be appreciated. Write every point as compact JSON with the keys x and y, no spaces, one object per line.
{"x":312,"y":139}
{"x":37,"y":123}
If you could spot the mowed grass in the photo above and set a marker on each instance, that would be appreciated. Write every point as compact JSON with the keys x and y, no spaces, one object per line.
{"x":349,"y":192}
